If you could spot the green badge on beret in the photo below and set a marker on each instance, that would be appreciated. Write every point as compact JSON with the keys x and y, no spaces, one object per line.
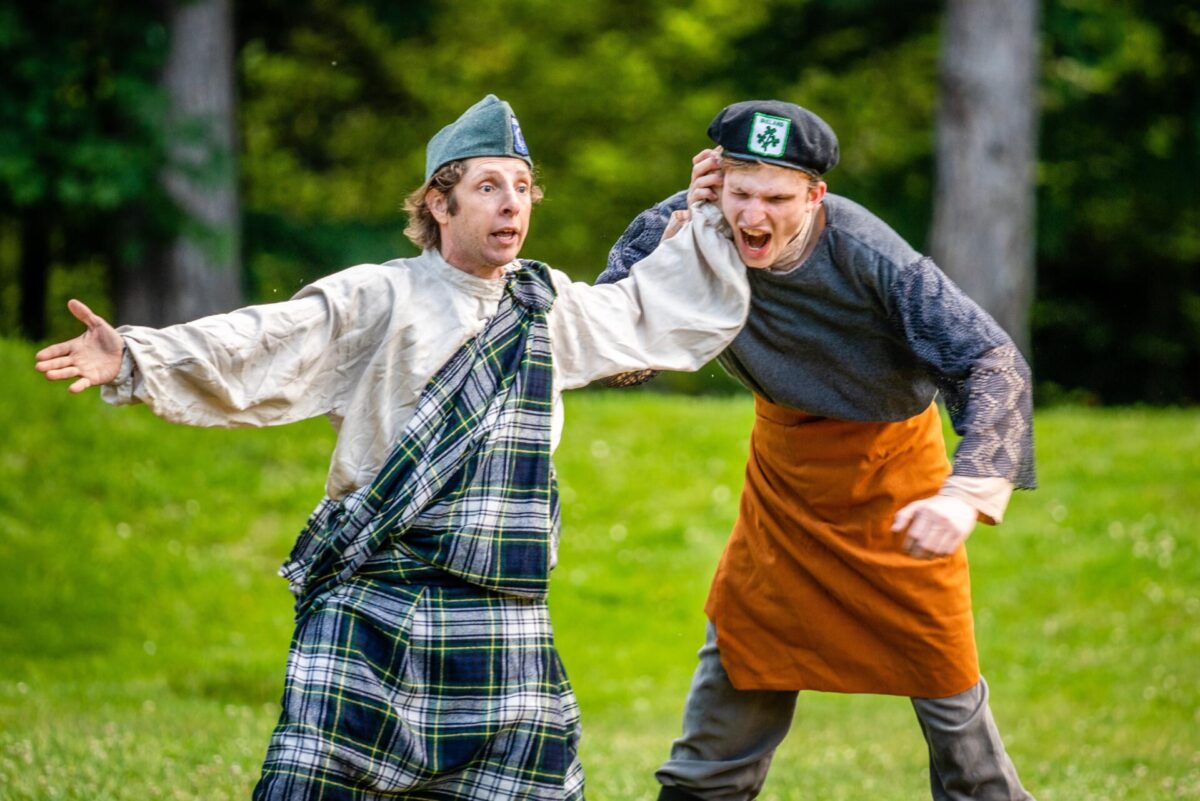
{"x":488,"y":128}
{"x":768,"y":135}
{"x":775,"y":132}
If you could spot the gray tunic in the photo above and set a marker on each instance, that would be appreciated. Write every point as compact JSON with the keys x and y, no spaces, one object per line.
{"x":868,"y":329}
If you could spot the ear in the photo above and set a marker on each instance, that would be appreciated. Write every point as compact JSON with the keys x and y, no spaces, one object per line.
{"x":435,"y":201}
{"x":816,"y":192}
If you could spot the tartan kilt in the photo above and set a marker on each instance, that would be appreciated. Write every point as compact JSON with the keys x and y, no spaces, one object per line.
{"x":407,"y":683}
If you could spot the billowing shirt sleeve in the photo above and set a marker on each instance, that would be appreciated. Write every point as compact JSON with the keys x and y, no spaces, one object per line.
{"x":257,"y":366}
{"x":982,"y":377}
{"x":686,"y":302}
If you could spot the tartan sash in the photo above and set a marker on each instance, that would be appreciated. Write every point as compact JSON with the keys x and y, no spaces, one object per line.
{"x":468,"y":487}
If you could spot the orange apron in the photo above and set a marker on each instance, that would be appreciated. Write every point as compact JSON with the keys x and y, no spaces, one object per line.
{"x":814,"y":591}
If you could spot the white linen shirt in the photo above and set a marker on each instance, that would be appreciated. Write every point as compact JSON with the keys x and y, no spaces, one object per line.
{"x":359,"y":346}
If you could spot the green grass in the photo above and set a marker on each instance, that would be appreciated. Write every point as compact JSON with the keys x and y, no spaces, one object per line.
{"x":143,"y":632}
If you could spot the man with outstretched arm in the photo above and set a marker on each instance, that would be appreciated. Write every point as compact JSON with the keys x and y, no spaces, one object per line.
{"x":846,"y":570}
{"x":423,"y":662}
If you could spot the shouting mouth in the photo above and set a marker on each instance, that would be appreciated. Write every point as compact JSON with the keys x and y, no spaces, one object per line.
{"x":755,"y":241}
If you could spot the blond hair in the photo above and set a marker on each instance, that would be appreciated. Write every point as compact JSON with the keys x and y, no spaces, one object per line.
{"x":422,"y":229}
{"x":731,"y":164}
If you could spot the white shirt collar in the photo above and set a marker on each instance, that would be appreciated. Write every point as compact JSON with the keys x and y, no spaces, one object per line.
{"x":463,"y":280}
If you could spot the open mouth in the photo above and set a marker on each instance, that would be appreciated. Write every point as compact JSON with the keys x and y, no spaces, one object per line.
{"x":755,"y":240}
{"x":506,"y":236}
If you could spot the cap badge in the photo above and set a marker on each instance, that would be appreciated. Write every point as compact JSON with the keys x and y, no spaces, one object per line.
{"x":768,"y":135}
{"x":519,"y":140}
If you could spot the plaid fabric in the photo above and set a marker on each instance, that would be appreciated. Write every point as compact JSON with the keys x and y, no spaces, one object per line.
{"x":408,"y":684}
{"x":423,"y":664}
{"x":469,"y":486}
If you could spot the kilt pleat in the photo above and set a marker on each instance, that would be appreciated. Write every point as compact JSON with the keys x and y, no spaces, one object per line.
{"x":406,"y":684}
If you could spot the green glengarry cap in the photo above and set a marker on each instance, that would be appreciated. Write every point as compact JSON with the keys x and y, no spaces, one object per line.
{"x":488,"y":128}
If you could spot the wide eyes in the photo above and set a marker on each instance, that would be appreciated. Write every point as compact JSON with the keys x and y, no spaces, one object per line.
{"x":488,"y":187}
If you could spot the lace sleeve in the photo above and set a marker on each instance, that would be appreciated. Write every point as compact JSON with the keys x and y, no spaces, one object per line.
{"x":982,"y":377}
{"x":637,"y":242}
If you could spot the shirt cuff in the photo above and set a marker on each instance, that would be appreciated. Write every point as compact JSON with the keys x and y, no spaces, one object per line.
{"x":989,"y":495}
{"x":119,"y":391}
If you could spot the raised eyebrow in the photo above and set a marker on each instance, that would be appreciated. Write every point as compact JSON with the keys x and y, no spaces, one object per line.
{"x":496,"y":175}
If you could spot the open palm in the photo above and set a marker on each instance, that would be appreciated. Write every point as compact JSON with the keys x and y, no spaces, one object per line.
{"x":93,"y":357}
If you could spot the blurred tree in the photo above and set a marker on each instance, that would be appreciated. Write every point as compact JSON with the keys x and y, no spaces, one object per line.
{"x":198,"y":272}
{"x":337,"y":111}
{"x":80,"y":140}
{"x":332,"y":135}
{"x":1118,"y":311}
{"x":94,"y":94}
{"x":983,"y":212}
{"x":614,"y":97}
{"x":338,"y":100}
{"x":869,"y":68}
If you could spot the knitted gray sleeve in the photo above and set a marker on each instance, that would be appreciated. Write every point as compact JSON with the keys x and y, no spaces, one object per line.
{"x":641,"y":238}
{"x":982,"y":377}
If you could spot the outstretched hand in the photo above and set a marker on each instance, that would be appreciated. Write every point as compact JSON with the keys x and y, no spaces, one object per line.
{"x":935,"y":526}
{"x":93,"y":357}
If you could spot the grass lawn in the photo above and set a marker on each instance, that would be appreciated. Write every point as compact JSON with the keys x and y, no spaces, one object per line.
{"x":143,"y":632}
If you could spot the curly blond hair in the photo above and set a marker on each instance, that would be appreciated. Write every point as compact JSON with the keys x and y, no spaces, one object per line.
{"x":422,"y":229}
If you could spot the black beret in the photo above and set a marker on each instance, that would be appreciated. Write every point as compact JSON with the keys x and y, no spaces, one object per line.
{"x":776,"y":133}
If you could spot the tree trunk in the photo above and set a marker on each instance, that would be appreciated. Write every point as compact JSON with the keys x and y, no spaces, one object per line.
{"x":983,"y":221}
{"x":136,"y":271}
{"x":35,"y":272}
{"x":201,"y":269}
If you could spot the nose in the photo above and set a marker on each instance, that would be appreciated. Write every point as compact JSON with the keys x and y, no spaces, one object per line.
{"x":753,"y":212}
{"x":510,"y":201}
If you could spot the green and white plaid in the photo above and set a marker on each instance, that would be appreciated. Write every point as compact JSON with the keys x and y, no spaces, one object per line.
{"x":423,"y":664}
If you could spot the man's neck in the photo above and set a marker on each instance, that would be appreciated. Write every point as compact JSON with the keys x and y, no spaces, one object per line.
{"x":804,"y":243}
{"x":488,"y":272}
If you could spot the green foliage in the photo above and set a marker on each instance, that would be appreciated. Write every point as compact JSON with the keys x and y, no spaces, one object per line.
{"x":77,"y":111}
{"x":1119,"y":204}
{"x":614,"y":96}
{"x":143,"y":631}
{"x":338,"y":100}
{"x":82,"y":138}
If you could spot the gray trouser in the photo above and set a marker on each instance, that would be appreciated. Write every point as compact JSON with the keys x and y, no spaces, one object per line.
{"x":730,"y":735}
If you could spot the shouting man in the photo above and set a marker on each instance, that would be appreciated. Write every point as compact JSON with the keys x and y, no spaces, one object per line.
{"x":846,"y":570}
